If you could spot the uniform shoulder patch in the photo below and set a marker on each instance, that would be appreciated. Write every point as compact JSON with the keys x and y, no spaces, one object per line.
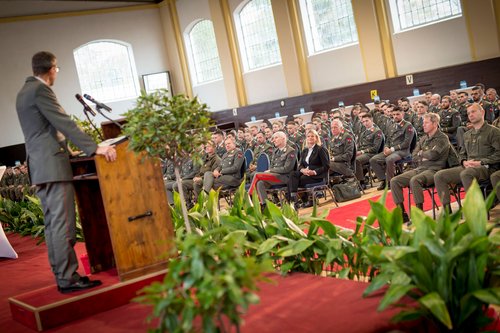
{"x":292,"y":155}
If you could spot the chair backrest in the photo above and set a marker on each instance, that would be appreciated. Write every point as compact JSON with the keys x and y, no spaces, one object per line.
{"x":262,"y":162}
{"x":248,"y":157}
{"x":243,"y":169}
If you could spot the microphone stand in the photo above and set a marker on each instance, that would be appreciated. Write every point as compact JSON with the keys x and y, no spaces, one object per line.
{"x":92,"y":124}
{"x":111,"y":120}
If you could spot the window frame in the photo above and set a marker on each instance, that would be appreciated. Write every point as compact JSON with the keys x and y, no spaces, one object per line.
{"x":136,"y":87}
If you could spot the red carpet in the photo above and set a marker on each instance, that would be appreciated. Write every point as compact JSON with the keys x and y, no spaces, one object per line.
{"x":345,"y":216}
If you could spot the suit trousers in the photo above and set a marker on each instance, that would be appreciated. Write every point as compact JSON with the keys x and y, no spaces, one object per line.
{"x":415,"y":180}
{"x":298,"y":179}
{"x":342,"y":168}
{"x":458,"y":175}
{"x":58,"y":202}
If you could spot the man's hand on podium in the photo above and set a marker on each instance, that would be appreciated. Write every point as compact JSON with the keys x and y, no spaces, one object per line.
{"x":109,"y":152}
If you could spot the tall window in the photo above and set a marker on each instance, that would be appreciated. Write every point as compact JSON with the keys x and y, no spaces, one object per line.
{"x":203,"y":54}
{"x":328,"y":24}
{"x":106,"y":70}
{"x":407,"y":14}
{"x":257,"y":35}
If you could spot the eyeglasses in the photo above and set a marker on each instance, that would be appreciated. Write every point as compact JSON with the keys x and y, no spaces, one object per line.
{"x":57,"y":68}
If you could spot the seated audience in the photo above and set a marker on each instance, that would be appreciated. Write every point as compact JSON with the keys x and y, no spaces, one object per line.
{"x":341,"y":148}
{"x":397,"y":146}
{"x":479,"y":157}
{"x":211,"y":161}
{"x":430,"y":155}
{"x":312,"y":168}
{"x":228,"y":174}
{"x":283,"y":162}
{"x":369,"y":144}
{"x":218,"y":139}
{"x":188,"y":170}
{"x":450,"y":119}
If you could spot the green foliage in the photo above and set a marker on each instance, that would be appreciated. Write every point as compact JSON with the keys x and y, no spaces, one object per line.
{"x":26,"y":218}
{"x":88,"y":128}
{"x":446,"y":266}
{"x":167,"y":127}
{"x":211,"y":279}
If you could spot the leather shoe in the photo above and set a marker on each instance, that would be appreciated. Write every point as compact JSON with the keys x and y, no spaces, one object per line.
{"x":307,"y":204}
{"x":381,"y":186}
{"x":82,"y":284}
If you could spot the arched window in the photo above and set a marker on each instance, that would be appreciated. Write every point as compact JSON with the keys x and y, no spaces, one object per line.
{"x":106,"y":70}
{"x":203,"y":54}
{"x":407,"y":14}
{"x":257,"y":35}
{"x":328,"y":24}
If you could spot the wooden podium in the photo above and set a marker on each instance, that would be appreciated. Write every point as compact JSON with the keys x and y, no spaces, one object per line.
{"x":124,"y":213}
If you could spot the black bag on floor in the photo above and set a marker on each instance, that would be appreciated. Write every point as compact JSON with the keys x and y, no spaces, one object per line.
{"x":346,"y":191}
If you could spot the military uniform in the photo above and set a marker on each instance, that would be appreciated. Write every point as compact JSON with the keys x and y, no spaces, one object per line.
{"x":431,"y":155}
{"x":480,"y":145}
{"x":434,"y":108}
{"x":230,"y":169}
{"x":220,"y":150}
{"x":298,"y":139}
{"x":385,"y":124}
{"x":6,"y":183}
{"x":357,"y":127}
{"x":188,"y":170}
{"x":410,"y":116}
{"x":168,"y":173}
{"x":418,"y":125}
{"x":449,"y":122}
{"x":399,"y":140}
{"x":210,"y":163}
{"x":489,"y":110}
{"x":368,"y":145}
{"x":342,"y":148}
{"x":282,"y":163}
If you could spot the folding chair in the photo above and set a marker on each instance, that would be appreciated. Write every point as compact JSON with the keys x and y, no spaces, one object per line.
{"x":248,"y":157}
{"x":322,"y":187}
{"x":261,"y":166}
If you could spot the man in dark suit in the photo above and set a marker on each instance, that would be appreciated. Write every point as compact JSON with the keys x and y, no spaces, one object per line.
{"x":46,"y":126}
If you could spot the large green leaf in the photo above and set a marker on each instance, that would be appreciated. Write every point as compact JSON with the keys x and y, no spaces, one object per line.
{"x":489,"y":296}
{"x":394,"y":294}
{"x":474,"y":210}
{"x":435,"y":304}
{"x":267,"y":245}
{"x":295,"y":247}
{"x":329,"y":229}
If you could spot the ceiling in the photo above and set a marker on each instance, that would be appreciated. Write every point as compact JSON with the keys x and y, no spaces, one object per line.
{"x":20,"y":8}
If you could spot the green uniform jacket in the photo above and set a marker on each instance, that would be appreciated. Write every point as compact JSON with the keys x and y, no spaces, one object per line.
{"x":211,"y":163}
{"x":400,"y":136}
{"x":431,"y":152}
{"x":341,"y":148}
{"x":482,"y":145}
{"x":231,"y":163}
{"x":283,"y":160}
{"x":370,"y":140}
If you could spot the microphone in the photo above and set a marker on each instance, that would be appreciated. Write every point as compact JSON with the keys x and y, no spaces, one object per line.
{"x":97,"y":104}
{"x":86,"y":107}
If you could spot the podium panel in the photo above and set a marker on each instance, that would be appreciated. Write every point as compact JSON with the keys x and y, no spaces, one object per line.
{"x":124,"y":213}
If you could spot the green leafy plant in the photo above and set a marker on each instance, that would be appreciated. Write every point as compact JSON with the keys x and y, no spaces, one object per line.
{"x":446,"y":267}
{"x":26,"y":218}
{"x":168,"y":127}
{"x":85,"y":125}
{"x":209,"y":283}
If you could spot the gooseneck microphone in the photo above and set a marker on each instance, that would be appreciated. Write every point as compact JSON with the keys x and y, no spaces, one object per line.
{"x":86,"y":107}
{"x":98,"y":104}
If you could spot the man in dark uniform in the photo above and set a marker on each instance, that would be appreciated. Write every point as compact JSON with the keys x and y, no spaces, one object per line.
{"x":46,"y":126}
{"x":397,"y":146}
{"x":294,"y":135}
{"x":479,"y":157}
{"x":450,"y":119}
{"x":418,"y":121}
{"x":409,"y":115}
{"x":229,"y":171}
{"x":7,"y":182}
{"x":211,"y":162}
{"x":430,"y":154}
{"x":261,"y":146}
{"x":282,"y":164}
{"x":341,"y":149}
{"x":218,"y":139}
{"x":189,"y":169}
{"x":368,"y":145}
{"x":434,"y":104}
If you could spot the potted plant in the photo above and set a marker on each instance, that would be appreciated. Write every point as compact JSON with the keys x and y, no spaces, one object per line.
{"x":448,"y":268}
{"x":171,"y":127}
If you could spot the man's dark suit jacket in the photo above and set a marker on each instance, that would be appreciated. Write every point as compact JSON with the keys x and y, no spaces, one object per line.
{"x":42,"y":117}
{"x":318,"y":161}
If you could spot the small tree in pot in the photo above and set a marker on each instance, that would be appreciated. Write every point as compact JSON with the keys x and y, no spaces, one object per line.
{"x":169,"y":127}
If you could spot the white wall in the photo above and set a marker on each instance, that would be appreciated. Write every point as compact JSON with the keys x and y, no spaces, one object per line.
{"x":434,"y":46}
{"x":265,"y":84}
{"x":20,"y":40}
{"x":336,"y":68}
{"x":211,"y":93}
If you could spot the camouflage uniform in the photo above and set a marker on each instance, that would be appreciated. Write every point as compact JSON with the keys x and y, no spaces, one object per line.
{"x":431,"y":155}
{"x":480,"y":145}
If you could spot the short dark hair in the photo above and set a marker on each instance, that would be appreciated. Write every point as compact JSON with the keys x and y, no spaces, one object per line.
{"x":42,"y":62}
{"x":367,"y":115}
{"x":404,"y":99}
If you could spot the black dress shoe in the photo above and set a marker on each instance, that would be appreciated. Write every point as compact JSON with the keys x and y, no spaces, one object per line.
{"x":307,"y":204}
{"x":381,"y":186}
{"x":82,"y":284}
